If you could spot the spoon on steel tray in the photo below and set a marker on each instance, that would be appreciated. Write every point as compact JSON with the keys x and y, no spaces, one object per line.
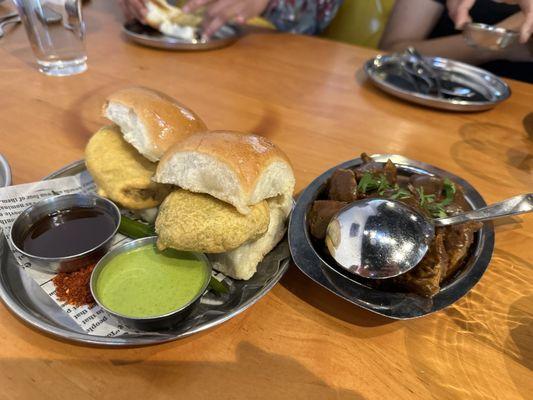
{"x":380,"y":238}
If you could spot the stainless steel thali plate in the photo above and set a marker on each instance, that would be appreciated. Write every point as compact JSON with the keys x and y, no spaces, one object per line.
{"x":5,"y":172}
{"x":390,"y":304}
{"x":483,"y":89}
{"x":29,"y":302}
{"x":147,"y":36}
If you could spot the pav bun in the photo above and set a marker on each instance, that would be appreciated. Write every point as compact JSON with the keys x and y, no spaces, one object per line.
{"x":151,"y":121}
{"x":237,"y":168}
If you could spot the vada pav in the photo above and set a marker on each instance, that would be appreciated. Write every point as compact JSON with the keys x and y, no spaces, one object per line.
{"x":121,"y":157}
{"x":231,"y":179}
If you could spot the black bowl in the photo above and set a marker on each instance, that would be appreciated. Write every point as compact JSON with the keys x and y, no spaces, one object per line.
{"x":316,"y":263}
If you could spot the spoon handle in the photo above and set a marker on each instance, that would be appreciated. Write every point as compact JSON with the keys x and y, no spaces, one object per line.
{"x":515,"y":205}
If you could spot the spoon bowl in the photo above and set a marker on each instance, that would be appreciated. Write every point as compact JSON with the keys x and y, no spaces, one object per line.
{"x":381,"y":238}
{"x":378,"y":238}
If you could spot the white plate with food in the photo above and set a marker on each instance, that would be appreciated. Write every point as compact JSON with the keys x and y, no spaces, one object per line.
{"x":170,"y":28}
{"x":224,"y":196}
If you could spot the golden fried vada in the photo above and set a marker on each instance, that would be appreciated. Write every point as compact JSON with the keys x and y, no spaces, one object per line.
{"x":121,"y":173}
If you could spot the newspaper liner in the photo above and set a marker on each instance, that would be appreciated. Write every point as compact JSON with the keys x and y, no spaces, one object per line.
{"x":14,"y":200}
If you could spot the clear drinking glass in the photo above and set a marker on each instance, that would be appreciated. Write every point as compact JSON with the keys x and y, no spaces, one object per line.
{"x":56,"y":32}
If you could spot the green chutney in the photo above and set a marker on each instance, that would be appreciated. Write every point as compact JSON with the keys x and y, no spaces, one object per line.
{"x":146,"y":282}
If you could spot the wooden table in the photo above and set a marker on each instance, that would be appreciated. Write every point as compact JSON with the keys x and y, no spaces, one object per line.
{"x":300,"y":341}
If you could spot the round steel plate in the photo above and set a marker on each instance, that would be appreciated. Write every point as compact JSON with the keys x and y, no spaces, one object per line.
{"x":5,"y":172}
{"x":385,"y":72}
{"x":30,"y":303}
{"x":390,"y":304}
{"x":150,"y":37}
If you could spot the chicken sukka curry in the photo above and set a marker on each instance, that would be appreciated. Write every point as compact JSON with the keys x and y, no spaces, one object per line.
{"x":434,"y":196}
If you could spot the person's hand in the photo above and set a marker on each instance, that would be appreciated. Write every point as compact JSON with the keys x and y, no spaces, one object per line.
{"x":219,"y":12}
{"x":134,"y":9}
{"x":517,"y":51}
{"x":458,"y":11}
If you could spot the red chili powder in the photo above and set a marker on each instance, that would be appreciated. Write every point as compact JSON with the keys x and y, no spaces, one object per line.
{"x":73,"y":287}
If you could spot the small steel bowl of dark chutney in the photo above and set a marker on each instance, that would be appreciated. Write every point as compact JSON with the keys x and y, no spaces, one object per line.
{"x":65,"y":233}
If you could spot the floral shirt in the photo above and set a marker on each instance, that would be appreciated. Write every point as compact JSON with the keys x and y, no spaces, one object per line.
{"x":302,"y":16}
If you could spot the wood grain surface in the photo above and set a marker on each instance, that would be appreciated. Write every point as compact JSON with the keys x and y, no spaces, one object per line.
{"x":299,"y":342}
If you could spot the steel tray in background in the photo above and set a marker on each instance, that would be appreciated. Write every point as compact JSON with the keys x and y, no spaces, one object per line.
{"x":29,"y":302}
{"x":147,"y":36}
{"x":390,"y":304}
{"x":386,"y":73}
{"x":5,"y":172}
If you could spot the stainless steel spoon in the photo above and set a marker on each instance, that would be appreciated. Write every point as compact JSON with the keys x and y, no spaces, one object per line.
{"x":14,"y":20}
{"x":379,"y":238}
{"x":424,"y":70}
{"x":421,"y":69}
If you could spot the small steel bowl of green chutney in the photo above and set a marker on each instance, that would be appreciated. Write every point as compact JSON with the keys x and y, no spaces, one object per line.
{"x":147,"y":289}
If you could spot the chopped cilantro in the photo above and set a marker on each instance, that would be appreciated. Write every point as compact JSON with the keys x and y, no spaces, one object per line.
{"x":366,"y":183}
{"x":436,"y":209}
{"x":449,"y":192}
{"x":370,"y":182}
{"x":379,"y":183}
{"x":400,"y":193}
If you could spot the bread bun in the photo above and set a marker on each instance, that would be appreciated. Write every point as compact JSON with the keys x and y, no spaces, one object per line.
{"x":151,"y":121}
{"x":242,"y":262}
{"x":240,"y":169}
{"x":198,"y":222}
{"x":171,"y":20}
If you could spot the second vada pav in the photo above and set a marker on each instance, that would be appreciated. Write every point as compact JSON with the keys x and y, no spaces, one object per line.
{"x":234,"y":199}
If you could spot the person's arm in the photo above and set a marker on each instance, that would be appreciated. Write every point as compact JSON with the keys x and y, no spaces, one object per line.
{"x":219,"y":12}
{"x":302,"y":16}
{"x":459,"y":9}
{"x":297,"y":16}
{"x":411,"y":21}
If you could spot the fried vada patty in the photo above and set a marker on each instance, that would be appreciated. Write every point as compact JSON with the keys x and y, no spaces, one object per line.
{"x":199,"y":222}
{"x":121,"y":173}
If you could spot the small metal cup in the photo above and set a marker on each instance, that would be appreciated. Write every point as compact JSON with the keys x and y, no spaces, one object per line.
{"x":488,"y":36}
{"x":45,"y":207}
{"x":160,"y":322}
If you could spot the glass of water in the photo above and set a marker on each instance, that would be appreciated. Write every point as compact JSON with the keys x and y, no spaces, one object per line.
{"x":56,"y":32}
